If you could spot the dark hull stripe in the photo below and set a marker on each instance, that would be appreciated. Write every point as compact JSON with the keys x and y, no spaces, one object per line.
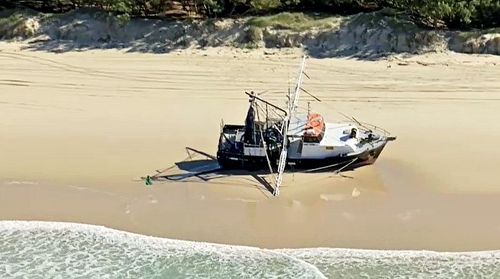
{"x":232,"y":161}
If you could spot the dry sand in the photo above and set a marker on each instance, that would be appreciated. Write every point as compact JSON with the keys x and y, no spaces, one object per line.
{"x":78,"y":129}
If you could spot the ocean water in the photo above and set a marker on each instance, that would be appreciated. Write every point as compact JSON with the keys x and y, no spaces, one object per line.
{"x":67,"y":250}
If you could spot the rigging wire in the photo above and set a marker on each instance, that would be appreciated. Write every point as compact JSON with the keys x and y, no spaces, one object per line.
{"x":264,"y":144}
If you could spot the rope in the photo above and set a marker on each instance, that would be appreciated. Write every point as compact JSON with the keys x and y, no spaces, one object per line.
{"x":361,"y":124}
{"x":339,"y":170}
{"x":331,"y":166}
{"x":264,"y":143}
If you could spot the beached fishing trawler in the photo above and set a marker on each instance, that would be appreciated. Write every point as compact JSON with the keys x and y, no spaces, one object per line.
{"x":276,"y":138}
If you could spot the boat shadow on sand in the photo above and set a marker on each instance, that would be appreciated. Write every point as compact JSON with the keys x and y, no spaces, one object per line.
{"x":207,"y":168}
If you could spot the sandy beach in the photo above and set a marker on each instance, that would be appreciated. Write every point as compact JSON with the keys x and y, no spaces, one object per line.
{"x":79,"y":129}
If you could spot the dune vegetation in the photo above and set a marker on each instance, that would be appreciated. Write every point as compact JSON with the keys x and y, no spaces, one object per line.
{"x":451,"y":14}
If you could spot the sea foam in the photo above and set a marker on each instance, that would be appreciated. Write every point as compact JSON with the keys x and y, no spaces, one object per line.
{"x":74,"y":250}
{"x":68,"y":250}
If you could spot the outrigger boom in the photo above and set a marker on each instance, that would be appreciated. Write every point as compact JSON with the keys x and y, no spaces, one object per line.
{"x":292,"y":106}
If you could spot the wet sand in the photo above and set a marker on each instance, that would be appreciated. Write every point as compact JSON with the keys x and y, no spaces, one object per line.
{"x":79,"y":129}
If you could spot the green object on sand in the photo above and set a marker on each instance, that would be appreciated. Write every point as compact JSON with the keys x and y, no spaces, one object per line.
{"x":148,"y":181}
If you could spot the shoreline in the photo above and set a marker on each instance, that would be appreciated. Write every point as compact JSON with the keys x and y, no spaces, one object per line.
{"x":21,"y":225}
{"x":124,"y":254}
{"x":374,"y":222}
{"x":81,"y":127}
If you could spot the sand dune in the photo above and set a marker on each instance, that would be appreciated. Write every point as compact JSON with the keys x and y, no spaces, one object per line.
{"x":78,"y":129}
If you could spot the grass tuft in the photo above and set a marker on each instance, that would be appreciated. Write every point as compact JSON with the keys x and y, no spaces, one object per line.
{"x":295,"y":21}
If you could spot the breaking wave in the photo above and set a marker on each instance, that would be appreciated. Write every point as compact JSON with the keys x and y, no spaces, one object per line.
{"x":68,"y":250}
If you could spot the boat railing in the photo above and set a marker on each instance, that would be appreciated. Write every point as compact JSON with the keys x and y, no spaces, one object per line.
{"x":373,"y":127}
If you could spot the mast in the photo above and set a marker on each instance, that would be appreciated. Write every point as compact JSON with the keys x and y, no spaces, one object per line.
{"x":292,"y":107}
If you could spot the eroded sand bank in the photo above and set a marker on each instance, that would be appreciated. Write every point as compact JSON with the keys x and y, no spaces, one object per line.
{"x":78,"y":129}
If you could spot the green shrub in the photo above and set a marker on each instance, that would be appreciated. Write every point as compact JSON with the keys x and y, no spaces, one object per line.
{"x":12,"y":24}
{"x":262,"y":6}
{"x":452,"y":13}
{"x":254,"y":34}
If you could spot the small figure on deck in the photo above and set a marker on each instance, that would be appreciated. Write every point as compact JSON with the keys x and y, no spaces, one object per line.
{"x":353,"y":133}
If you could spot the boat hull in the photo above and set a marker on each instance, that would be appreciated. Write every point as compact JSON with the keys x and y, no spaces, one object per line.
{"x":240,"y":161}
